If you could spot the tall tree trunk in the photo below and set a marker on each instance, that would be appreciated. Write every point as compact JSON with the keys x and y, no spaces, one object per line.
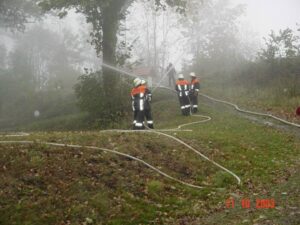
{"x":110,"y":28}
{"x":155,"y":43}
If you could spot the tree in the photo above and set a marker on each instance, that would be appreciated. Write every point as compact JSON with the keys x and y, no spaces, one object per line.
{"x":42,"y":57}
{"x":40,"y":76}
{"x":91,"y":99}
{"x":282,"y":56}
{"x":281,"y":45}
{"x":104,"y":15}
{"x":212,"y":31}
{"x":15,"y":14}
{"x":157,"y":36}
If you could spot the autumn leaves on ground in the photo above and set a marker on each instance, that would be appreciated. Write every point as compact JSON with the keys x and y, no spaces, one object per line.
{"x":59,"y":185}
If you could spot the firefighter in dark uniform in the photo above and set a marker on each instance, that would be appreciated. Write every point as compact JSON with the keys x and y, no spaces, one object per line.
{"x":182,"y":88}
{"x":138,"y":104}
{"x":148,"y":99}
{"x":194,"y":91}
{"x":171,"y":72}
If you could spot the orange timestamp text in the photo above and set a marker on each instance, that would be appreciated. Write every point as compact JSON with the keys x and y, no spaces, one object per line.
{"x":246,"y":203}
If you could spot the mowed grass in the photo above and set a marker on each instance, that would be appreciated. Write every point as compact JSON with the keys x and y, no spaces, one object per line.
{"x":59,"y":185}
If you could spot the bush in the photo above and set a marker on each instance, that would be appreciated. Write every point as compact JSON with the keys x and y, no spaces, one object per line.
{"x":103,"y":108}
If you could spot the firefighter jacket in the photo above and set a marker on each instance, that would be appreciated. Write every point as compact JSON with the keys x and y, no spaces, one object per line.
{"x":195,"y":86}
{"x":182,"y":88}
{"x":138,"y":98}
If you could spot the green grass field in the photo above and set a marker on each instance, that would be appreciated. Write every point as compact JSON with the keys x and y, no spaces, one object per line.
{"x":60,"y":185}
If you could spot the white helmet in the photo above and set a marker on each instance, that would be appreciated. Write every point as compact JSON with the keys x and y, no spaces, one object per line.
{"x":180,"y":76}
{"x":137,"y":82}
{"x":143,"y":82}
{"x":192,"y":74}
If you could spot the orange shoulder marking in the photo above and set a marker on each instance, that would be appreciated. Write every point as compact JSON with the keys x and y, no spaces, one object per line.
{"x":195,"y":81}
{"x":182,"y":82}
{"x":138,"y":90}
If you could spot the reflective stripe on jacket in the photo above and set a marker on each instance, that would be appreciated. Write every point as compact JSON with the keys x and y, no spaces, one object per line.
{"x":195,"y":85}
{"x":138,"y":97}
{"x":182,"y":87}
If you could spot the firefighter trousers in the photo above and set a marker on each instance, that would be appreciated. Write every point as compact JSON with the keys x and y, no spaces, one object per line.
{"x":194,"y":102}
{"x":185,"y":105}
{"x":138,"y":120}
{"x":149,"y":118}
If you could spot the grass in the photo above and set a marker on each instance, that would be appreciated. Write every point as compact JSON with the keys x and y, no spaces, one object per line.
{"x":63,"y":123}
{"x":273,"y":99}
{"x":58,"y":185}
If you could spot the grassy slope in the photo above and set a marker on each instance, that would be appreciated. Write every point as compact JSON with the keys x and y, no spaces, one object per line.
{"x":49,"y":185}
{"x":271,"y":99}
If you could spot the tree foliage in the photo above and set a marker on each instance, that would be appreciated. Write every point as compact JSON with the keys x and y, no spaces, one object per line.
{"x":281,"y":45}
{"x":92,"y":99}
{"x":104,"y":15}
{"x":14,"y":14}
{"x":277,"y":67}
{"x":212,"y":30}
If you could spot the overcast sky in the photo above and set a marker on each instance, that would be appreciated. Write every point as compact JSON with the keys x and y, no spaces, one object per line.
{"x":264,"y":15}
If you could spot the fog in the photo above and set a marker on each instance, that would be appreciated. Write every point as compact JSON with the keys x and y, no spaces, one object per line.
{"x":149,"y":112}
{"x":255,"y":23}
{"x":43,"y":55}
{"x":265,"y":15}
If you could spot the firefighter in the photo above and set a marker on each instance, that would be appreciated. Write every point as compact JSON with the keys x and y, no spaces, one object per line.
{"x":194,"y":91}
{"x":148,"y":99}
{"x":138,"y":104}
{"x":182,"y":88}
{"x":171,"y":72}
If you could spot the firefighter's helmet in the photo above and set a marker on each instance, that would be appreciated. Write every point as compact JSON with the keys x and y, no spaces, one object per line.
{"x":180,"y":76}
{"x":192,"y":74}
{"x":137,"y":82}
{"x":143,"y":82}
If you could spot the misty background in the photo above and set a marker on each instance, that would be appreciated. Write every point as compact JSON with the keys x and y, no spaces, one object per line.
{"x":51,"y":74}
